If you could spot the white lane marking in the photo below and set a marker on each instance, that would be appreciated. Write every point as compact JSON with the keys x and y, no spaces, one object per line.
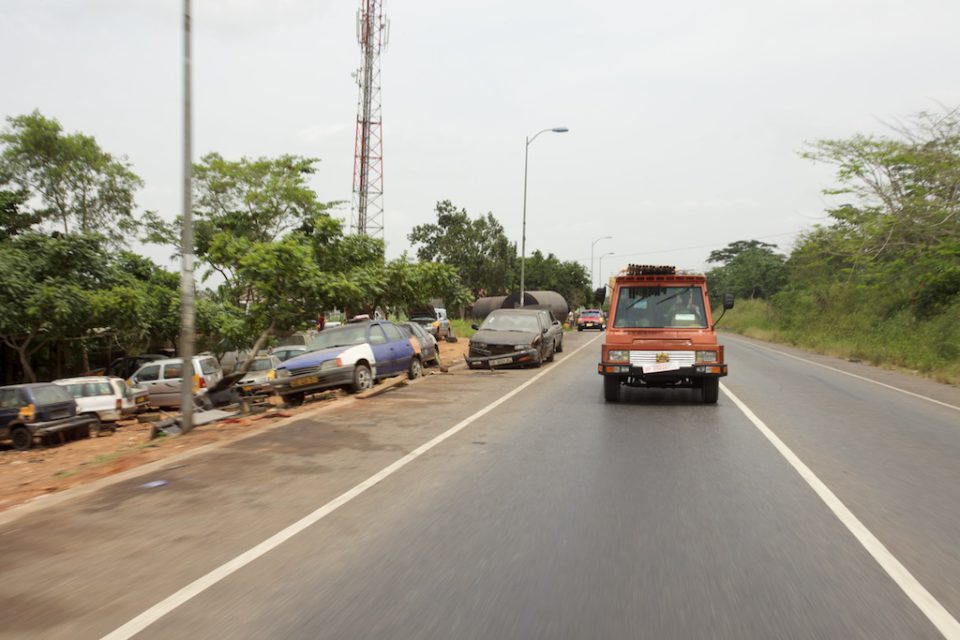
{"x":935,"y":612}
{"x":198,"y":586}
{"x":852,"y":375}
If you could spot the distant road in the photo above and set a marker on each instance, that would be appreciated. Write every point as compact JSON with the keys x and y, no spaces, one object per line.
{"x":547,"y":515}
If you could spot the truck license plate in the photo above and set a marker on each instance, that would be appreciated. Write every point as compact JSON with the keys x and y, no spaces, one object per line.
{"x":660,"y":367}
{"x":499,"y":361}
{"x":300,"y":382}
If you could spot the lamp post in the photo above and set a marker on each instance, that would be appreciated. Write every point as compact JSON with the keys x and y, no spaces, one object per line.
{"x":591,"y":256}
{"x":600,"y":262}
{"x":523,"y":236}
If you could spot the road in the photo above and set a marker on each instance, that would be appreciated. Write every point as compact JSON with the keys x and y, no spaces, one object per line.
{"x":547,"y":515}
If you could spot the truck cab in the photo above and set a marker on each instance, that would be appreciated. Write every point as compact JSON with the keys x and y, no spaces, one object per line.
{"x":660,"y":333}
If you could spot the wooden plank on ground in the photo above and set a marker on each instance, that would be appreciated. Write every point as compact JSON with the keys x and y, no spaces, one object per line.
{"x":398,"y":381}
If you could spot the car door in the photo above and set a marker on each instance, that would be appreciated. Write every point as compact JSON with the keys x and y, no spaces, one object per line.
{"x":401,"y":349}
{"x":148,"y":377}
{"x":168,"y":387}
{"x":386,"y":363}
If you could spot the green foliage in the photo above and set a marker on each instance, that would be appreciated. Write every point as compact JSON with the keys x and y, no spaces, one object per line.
{"x":78,"y":185}
{"x":71,"y":287}
{"x":547,"y":273}
{"x":479,"y":249}
{"x":881,"y":282}
{"x":749,"y":269}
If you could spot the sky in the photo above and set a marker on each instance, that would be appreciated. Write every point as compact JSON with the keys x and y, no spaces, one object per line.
{"x":685,"y":118}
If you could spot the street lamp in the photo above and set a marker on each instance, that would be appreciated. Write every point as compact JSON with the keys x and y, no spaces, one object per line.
{"x":591,"y":256}
{"x":523,"y":236}
{"x":600,"y":263}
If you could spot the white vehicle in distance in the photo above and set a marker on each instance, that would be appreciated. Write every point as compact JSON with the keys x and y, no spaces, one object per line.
{"x":109,"y":399}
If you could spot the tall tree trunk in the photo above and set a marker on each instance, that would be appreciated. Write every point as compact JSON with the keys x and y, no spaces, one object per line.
{"x":24,"y":352}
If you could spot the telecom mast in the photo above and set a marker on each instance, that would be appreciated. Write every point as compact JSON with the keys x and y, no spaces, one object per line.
{"x":366,"y":212}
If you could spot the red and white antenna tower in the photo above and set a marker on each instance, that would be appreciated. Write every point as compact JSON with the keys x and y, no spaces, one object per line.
{"x":366,"y":212}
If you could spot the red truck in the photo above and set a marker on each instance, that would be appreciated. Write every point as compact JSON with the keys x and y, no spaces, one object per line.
{"x":660,"y":333}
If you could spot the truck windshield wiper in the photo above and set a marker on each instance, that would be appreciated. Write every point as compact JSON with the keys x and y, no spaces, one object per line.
{"x":674,"y":295}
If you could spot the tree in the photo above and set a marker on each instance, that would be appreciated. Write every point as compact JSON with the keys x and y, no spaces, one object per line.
{"x":750,"y":269}
{"x":264,"y":231}
{"x":76,"y":184}
{"x":570,"y":279}
{"x":478,"y":248}
{"x":60,"y":287}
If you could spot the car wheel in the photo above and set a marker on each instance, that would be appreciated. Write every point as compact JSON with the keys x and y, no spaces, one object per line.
{"x":560,"y":346}
{"x":611,"y":389}
{"x":93,"y":429}
{"x":294,"y":399}
{"x":21,"y":438}
{"x":415,"y":370}
{"x":553,"y":353}
{"x":579,"y":328}
{"x":362,"y":378}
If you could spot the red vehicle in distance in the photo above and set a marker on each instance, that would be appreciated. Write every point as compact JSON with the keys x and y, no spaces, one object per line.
{"x":591,"y":319}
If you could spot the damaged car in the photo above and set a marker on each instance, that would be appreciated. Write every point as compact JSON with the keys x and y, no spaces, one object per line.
{"x":511,"y":337}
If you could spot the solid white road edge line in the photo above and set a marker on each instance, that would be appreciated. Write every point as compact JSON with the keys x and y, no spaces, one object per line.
{"x":935,"y":612}
{"x":853,"y":375}
{"x":198,"y":586}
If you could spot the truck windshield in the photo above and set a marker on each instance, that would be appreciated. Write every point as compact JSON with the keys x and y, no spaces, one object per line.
{"x":659,"y":307}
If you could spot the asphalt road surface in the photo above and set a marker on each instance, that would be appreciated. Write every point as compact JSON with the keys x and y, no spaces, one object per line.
{"x":808,"y":503}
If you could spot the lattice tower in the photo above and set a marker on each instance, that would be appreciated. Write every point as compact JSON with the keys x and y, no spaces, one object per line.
{"x":366,"y":212}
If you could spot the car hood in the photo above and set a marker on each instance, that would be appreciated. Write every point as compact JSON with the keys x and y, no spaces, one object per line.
{"x":490,"y":336}
{"x":312,"y":358}
{"x":254,"y":377}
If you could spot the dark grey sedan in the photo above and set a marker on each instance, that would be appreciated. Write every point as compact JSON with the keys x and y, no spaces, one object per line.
{"x":511,"y":337}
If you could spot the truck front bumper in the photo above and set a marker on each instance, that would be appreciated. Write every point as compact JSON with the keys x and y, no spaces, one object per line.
{"x":625,"y":370}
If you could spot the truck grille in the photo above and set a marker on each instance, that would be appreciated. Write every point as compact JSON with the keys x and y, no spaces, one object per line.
{"x":640,"y":358}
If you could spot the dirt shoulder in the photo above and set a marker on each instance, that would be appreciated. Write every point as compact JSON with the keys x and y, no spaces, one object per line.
{"x":28,"y":475}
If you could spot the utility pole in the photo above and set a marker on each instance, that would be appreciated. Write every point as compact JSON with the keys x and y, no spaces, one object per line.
{"x":366,"y":212}
{"x":187,"y":332}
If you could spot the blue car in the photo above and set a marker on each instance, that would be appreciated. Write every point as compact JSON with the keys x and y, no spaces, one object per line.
{"x":352,"y":356}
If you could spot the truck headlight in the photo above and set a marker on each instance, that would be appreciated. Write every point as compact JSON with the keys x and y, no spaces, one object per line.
{"x":283,"y":373}
{"x":478,"y":345}
{"x":706,"y":356}
{"x":618,"y":355}
{"x":328,"y":364}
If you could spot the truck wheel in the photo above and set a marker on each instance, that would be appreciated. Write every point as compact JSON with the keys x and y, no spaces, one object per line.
{"x":710,"y":390}
{"x":21,"y":438}
{"x":611,"y":389}
{"x":362,"y":379}
{"x":416,"y":369}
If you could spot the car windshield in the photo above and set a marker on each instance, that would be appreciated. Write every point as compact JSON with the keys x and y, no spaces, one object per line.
{"x":51,"y":394}
{"x":680,"y":307}
{"x":340,"y":337}
{"x":261,"y":364}
{"x":511,"y":322}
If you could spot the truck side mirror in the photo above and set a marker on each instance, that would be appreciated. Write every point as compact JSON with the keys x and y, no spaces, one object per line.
{"x":600,"y":295}
{"x":727,"y":301}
